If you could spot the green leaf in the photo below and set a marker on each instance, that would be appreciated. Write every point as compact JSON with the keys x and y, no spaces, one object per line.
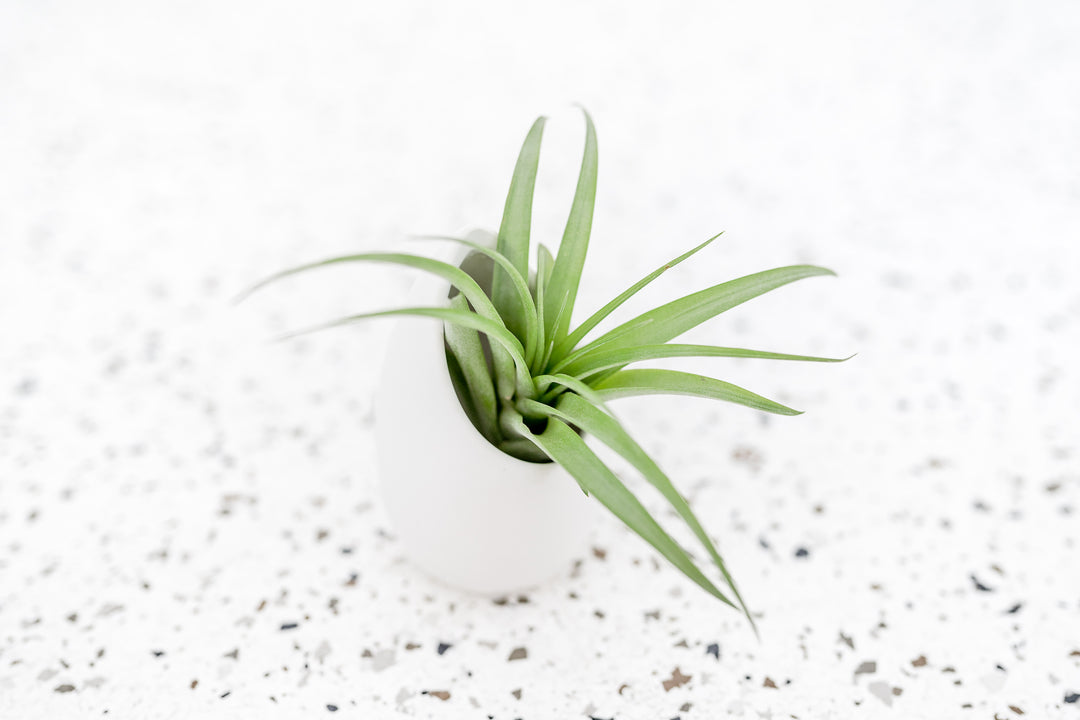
{"x":567,"y":344}
{"x":604,"y":358}
{"x":453,"y":275}
{"x":500,"y":336}
{"x":513,"y":239}
{"x":543,"y":271}
{"x":597,"y":423}
{"x":465,"y":345}
{"x":674,"y":318}
{"x":627,"y":383}
{"x":560,"y":382}
{"x":524,"y":449}
{"x":567,"y":448}
{"x":544,"y":259}
{"x":575,"y":241}
{"x":520,"y":286}
{"x":461,"y":389}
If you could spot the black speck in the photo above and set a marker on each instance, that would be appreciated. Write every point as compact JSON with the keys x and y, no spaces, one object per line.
{"x":802,"y":552}
{"x":1015,"y":608}
{"x":443,"y":647}
{"x":226,"y":694}
{"x":288,"y":626}
{"x":158,"y":653}
{"x":714,"y":650}
{"x":1070,"y":698}
{"x":332,"y":708}
{"x":979,"y":586}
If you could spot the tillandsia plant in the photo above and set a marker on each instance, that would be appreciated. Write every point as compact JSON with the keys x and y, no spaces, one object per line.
{"x":535,"y":388}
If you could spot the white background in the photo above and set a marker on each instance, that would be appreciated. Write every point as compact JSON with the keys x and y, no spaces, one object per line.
{"x":172,"y":483}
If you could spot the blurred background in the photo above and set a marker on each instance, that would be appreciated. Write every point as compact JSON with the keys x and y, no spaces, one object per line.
{"x":189,"y":520}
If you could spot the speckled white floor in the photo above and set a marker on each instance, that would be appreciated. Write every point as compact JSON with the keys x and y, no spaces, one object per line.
{"x":188,"y":521}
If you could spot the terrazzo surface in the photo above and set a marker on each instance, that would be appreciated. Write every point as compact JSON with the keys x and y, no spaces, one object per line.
{"x":189,"y":517}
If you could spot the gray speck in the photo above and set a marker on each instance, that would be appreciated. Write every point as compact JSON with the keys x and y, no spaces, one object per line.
{"x":866,"y":668}
{"x":27,"y":387}
{"x":882,"y":691}
{"x":65,"y":688}
{"x":382,"y":660}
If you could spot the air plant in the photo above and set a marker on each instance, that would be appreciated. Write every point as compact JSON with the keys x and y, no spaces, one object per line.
{"x":536,"y":388}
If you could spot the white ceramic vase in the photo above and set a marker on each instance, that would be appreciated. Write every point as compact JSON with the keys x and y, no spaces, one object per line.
{"x":466,"y":513}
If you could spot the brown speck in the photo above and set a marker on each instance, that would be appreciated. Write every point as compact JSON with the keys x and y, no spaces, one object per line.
{"x":516,"y":693}
{"x":65,"y":688}
{"x":1075,"y":653}
{"x":443,"y":695}
{"x":412,"y":646}
{"x":919,"y":661}
{"x":1016,"y":710}
{"x":262,"y":605}
{"x":677,"y":679}
{"x":623,"y":687}
{"x":599,"y":553}
{"x":518,"y":653}
{"x":769,"y":683}
{"x":194,"y":684}
{"x":748,"y":456}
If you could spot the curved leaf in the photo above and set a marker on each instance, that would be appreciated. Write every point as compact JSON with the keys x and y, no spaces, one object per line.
{"x":575,"y":241}
{"x":608,"y":430}
{"x":567,"y":344}
{"x":453,"y":275}
{"x":520,"y":286}
{"x":627,"y":383}
{"x":464,"y":344}
{"x":605,"y":359}
{"x":514,"y":230}
{"x":495,"y":332}
{"x":674,"y":318}
{"x":567,"y":448}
